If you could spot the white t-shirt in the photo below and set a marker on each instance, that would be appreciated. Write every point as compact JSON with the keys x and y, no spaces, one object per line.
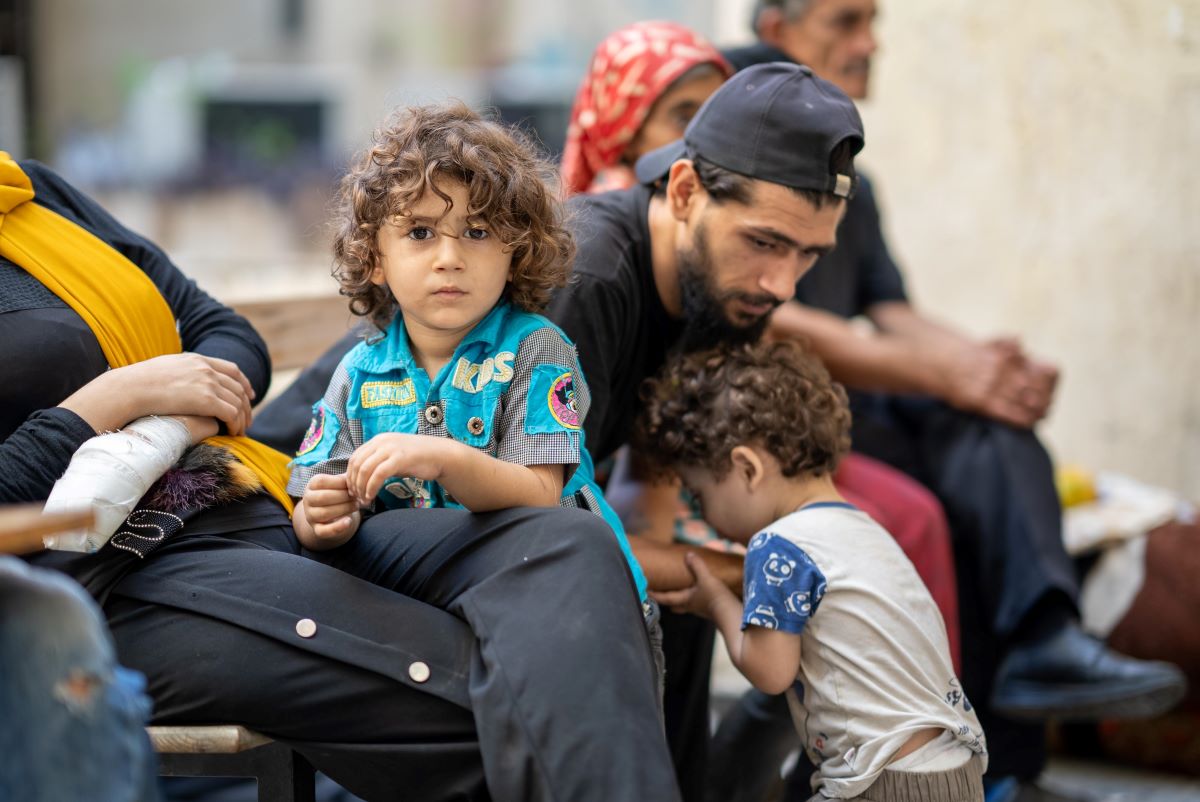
{"x":874,"y":658}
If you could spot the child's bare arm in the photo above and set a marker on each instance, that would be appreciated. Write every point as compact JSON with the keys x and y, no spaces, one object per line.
{"x":769,"y":659}
{"x":481,"y":482}
{"x":478,"y":481}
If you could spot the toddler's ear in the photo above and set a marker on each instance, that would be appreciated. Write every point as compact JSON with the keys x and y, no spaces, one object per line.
{"x":748,"y":465}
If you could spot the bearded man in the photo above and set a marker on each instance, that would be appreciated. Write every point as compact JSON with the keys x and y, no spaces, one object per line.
{"x":714,"y":238}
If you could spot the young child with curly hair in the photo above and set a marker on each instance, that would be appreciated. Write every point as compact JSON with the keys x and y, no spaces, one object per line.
{"x":450,"y":240}
{"x":831,"y":606}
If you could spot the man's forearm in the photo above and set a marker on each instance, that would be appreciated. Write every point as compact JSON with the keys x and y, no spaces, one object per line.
{"x":649,"y":510}
{"x":870,"y":361}
{"x":912,"y":354}
{"x":665,"y":569}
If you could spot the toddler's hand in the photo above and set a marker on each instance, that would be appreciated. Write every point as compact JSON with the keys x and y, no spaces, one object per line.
{"x":330,"y":508}
{"x":700,"y":598}
{"x":391,"y":454}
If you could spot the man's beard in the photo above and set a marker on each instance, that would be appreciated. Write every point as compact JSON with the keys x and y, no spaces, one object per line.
{"x":706,"y":321}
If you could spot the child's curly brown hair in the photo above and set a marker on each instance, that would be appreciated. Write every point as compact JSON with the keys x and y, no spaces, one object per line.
{"x":509,"y":186}
{"x":772,"y":395}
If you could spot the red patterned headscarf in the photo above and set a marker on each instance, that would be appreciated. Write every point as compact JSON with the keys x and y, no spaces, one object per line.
{"x":629,"y":71}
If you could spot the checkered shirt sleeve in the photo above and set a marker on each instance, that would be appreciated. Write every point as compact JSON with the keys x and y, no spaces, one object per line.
{"x":348,"y":435}
{"x":515,"y":444}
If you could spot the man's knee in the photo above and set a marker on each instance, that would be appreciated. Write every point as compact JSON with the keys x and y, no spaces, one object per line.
{"x":580,"y":541}
{"x":568,"y":527}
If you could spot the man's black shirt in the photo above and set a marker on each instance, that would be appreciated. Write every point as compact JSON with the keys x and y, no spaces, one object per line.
{"x":612,"y":310}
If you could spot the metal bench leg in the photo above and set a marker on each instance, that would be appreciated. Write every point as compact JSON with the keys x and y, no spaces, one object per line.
{"x":284,"y":775}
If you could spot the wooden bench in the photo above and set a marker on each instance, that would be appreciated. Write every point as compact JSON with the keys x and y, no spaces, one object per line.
{"x":229,"y":750}
{"x":298,"y":330}
{"x":22,"y":526}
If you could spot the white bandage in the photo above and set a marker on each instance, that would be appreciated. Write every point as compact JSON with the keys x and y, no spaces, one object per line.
{"x":109,"y":473}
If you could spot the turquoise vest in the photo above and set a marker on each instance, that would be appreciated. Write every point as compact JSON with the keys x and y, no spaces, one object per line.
{"x":389,"y":392}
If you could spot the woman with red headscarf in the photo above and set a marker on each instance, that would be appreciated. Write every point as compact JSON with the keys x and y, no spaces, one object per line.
{"x":643,"y":85}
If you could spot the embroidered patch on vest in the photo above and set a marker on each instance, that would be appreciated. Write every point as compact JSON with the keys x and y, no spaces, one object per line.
{"x":562,"y":402}
{"x":316,"y":431}
{"x":471,"y":377}
{"x":388,"y":394}
{"x":322,"y":436}
{"x":552,"y":405}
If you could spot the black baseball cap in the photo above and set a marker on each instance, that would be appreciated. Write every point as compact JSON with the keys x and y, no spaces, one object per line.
{"x":775,"y":122}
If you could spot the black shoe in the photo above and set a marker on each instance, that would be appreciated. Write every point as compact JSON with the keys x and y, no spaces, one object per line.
{"x":1073,"y":676}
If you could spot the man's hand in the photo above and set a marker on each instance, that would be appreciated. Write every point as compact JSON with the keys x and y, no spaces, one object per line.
{"x":702,"y":598}
{"x":995,"y":378}
{"x":1041,"y":380}
{"x":913,"y":354}
{"x":385,"y":455}
{"x":331,"y":511}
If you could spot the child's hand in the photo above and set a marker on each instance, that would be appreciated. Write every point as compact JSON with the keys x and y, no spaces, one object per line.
{"x":386,"y":455}
{"x":701,"y":598}
{"x":331,"y":510}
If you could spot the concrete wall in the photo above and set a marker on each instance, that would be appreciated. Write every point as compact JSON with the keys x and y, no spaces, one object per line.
{"x":1037,"y":165}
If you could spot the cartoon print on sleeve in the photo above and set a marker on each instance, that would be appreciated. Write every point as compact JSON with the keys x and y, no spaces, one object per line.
{"x":553,"y":404}
{"x":783,"y":586}
{"x":561,"y":400}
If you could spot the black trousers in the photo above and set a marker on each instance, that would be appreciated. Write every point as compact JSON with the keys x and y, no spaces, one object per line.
{"x":539,"y":674}
{"x":997,"y":486}
{"x":687,"y":652}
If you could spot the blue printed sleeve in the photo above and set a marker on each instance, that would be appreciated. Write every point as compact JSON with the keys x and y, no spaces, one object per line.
{"x":783,"y":586}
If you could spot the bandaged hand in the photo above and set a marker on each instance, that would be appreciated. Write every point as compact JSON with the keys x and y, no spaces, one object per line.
{"x":109,"y":474}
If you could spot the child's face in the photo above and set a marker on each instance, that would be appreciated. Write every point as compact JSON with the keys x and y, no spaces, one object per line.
{"x":445,"y":270}
{"x":728,"y":504}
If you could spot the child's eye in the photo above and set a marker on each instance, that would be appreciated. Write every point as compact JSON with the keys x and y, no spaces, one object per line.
{"x":420,"y":233}
{"x":477,"y":233}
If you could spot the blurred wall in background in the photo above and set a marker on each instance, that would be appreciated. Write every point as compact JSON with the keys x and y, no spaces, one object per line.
{"x":1038,"y":167}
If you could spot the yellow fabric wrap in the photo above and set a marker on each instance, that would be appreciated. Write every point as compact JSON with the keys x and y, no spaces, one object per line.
{"x":118,"y":301}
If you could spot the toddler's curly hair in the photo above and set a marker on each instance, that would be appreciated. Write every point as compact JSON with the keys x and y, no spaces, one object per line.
{"x":509,"y":185}
{"x":772,"y":395}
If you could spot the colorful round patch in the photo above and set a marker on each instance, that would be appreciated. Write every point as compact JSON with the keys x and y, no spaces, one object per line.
{"x":316,"y":430}
{"x":562,"y":402}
